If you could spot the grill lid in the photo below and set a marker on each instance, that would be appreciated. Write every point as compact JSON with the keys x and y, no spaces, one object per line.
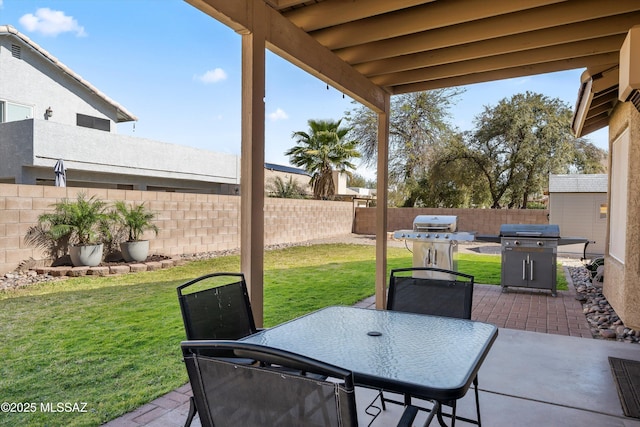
{"x":444,"y":223}
{"x":530,"y":230}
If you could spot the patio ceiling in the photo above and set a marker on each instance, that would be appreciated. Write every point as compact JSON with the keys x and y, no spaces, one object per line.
{"x":412,"y":45}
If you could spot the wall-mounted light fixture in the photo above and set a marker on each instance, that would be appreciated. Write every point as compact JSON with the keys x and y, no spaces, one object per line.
{"x":48,"y":112}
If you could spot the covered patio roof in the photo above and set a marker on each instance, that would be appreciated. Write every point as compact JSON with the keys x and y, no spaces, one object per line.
{"x":372,"y":49}
{"x":413,"y":45}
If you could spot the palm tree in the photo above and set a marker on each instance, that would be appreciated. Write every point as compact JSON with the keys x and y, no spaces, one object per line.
{"x":322,"y":150}
{"x":136,"y":219}
{"x":285,"y":189}
{"x":81,"y":221}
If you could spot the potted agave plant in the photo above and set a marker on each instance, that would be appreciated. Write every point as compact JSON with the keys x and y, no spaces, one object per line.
{"x":136,"y":219}
{"x":81,"y":222}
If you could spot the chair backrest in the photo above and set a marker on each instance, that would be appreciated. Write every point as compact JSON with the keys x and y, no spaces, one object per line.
{"x":216,"y":307}
{"x":441,"y":297}
{"x":272,"y":392}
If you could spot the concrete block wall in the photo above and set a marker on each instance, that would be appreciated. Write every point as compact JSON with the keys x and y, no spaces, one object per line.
{"x":294,"y":221}
{"x":188,"y":223}
{"x":482,"y":221}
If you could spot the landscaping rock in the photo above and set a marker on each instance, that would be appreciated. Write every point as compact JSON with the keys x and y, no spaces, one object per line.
{"x":601,"y":317}
{"x":136,"y":268}
{"x":167,"y":263}
{"x":19,"y":279}
{"x":153,"y":266}
{"x":78,"y":271}
{"x":98,"y":271}
{"x":119,"y":269}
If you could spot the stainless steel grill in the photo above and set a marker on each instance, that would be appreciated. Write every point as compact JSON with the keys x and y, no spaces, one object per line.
{"x":435,"y":240}
{"x":529,"y":256}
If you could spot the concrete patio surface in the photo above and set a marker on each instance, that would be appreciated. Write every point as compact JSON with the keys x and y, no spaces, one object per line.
{"x":544,"y":369}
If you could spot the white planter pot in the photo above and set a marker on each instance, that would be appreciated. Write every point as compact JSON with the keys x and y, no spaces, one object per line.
{"x":135,"y":251}
{"x":86,"y":255}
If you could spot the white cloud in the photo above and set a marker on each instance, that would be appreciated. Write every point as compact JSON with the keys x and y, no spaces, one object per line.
{"x":279,"y":114}
{"x":51,"y":23}
{"x":521,"y":81}
{"x":213,"y":76}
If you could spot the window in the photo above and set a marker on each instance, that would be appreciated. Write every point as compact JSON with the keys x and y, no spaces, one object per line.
{"x":93,"y":122}
{"x":603,"y":211}
{"x":618,"y":208}
{"x":11,"y":112}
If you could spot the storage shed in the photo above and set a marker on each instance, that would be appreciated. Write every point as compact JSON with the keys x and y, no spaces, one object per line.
{"x":578,"y":204}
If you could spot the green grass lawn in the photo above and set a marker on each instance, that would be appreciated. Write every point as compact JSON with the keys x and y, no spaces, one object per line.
{"x":113,"y":342}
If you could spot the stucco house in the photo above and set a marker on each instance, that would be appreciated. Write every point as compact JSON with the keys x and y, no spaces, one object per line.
{"x":48,"y":112}
{"x":609,"y":95}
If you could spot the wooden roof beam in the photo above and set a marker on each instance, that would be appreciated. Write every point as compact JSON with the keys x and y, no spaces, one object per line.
{"x":572,"y":51}
{"x":508,"y":73}
{"x":533,"y":40}
{"x":418,"y":19}
{"x":323,"y":14}
{"x":515,"y":23}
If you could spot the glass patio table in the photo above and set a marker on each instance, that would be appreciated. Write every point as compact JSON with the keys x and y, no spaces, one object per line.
{"x":428,"y":357}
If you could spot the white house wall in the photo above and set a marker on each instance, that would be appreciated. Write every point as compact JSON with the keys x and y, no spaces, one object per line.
{"x":35,"y":81}
{"x":13,"y":153}
{"x":88,"y":154}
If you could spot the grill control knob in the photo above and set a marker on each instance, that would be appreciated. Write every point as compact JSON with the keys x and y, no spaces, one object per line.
{"x":446,"y":236}
{"x":418,"y":235}
{"x":437,"y":236}
{"x":539,"y":243}
{"x":516,"y":242}
{"x":427,"y":235}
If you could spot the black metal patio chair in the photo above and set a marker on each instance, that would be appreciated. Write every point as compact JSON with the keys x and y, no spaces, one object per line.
{"x":414,"y":290}
{"x":236,"y":394}
{"x":215,"y":307}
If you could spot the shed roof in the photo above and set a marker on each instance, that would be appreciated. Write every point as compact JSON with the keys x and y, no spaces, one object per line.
{"x":578,"y":183}
{"x":122,"y":114}
{"x":287,"y":169}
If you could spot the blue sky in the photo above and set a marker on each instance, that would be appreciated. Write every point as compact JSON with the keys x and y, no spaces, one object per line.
{"x":178,"y":71}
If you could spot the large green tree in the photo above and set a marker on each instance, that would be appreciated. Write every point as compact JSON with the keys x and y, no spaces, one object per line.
{"x":450,"y":182}
{"x":320,"y":151}
{"x":418,"y":124}
{"x":520,"y":141}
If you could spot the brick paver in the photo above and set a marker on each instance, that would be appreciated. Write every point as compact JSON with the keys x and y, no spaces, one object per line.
{"x":530,"y":310}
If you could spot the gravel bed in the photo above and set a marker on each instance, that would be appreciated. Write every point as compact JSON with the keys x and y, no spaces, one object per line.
{"x":603,"y":320}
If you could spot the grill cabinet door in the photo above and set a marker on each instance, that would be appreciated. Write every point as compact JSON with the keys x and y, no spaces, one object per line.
{"x":542,"y":269}
{"x":515,"y":267}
